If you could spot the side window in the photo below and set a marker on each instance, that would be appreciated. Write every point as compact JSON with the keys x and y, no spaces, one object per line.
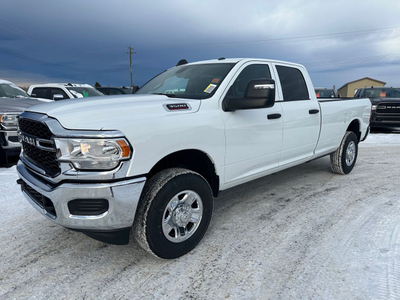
{"x":39,"y":93}
{"x":115,"y":92}
{"x":249,"y":73}
{"x":293,"y":84}
{"x":358,"y":93}
{"x":105,"y":91}
{"x":54,"y":91}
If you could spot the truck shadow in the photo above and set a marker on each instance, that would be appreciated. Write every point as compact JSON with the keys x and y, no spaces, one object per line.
{"x":11,"y":161}
{"x":386,"y":130}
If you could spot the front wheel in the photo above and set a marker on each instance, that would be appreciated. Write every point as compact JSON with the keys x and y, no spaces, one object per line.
{"x":344,"y":158}
{"x":173,"y":213}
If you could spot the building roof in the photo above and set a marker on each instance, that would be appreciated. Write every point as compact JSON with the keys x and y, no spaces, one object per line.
{"x":362,"y":79}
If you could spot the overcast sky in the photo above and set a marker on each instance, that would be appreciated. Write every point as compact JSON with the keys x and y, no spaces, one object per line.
{"x":84,"y":41}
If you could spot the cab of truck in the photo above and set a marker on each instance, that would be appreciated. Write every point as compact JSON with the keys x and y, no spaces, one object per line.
{"x":61,"y":91}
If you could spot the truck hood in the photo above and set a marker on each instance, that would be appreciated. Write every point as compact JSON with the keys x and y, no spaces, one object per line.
{"x":106,"y":113}
{"x":16,"y":104}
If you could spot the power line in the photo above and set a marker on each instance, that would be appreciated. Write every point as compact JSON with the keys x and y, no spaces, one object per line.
{"x":296,"y":38}
{"x":285,"y":39}
{"x":353,"y":60}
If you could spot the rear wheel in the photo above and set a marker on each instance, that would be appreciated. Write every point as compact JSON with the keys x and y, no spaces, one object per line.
{"x":344,"y":158}
{"x":174,"y":212}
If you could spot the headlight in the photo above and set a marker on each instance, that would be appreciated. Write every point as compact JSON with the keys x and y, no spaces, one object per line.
{"x":93,"y":154}
{"x":9,"y":120}
{"x":374,"y":107}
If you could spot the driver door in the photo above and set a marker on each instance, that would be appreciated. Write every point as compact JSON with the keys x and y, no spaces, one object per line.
{"x":253,"y":137}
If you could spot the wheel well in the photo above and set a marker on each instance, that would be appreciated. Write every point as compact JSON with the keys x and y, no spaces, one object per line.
{"x":355,"y":127}
{"x":194,"y":160}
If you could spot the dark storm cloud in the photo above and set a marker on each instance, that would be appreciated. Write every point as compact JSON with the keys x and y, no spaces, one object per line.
{"x":86,"y":41}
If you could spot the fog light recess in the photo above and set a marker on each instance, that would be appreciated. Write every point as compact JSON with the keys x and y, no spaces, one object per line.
{"x":88,"y":207}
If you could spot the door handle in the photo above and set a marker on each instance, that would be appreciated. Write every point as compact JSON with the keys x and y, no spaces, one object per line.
{"x":274,"y":116}
{"x":313,"y":111}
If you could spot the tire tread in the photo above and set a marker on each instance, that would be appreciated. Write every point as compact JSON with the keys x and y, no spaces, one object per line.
{"x":151,"y":189}
{"x":337,"y":156}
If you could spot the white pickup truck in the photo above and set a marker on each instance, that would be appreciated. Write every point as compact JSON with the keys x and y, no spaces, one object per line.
{"x":153,"y":162}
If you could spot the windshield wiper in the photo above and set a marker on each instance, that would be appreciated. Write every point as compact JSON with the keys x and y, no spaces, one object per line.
{"x":168,"y":95}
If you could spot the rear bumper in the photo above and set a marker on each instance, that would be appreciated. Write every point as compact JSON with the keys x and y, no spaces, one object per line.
{"x":52,"y":201}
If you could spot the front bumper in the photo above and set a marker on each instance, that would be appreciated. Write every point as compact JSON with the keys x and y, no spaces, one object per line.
{"x":385,"y":120}
{"x":122,"y":196}
{"x":9,"y":142}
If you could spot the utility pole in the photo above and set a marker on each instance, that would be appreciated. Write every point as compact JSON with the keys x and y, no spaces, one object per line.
{"x":130,"y":60}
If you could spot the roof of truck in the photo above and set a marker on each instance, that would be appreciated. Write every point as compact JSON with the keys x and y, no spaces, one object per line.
{"x":236,"y":60}
{"x":64,"y":84}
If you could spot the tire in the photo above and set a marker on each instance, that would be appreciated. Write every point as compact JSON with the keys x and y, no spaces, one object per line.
{"x":173,"y":213}
{"x":344,"y":158}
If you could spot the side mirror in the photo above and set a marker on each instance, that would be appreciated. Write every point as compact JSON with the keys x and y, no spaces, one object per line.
{"x":58,"y":97}
{"x":259,"y":94}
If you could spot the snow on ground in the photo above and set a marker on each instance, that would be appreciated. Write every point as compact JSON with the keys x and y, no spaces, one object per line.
{"x":303,"y":233}
{"x":381,"y":140}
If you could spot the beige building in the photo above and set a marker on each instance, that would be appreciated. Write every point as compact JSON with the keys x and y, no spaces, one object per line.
{"x":350,"y":88}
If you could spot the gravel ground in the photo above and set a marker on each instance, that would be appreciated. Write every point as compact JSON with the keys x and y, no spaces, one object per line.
{"x":304,"y":233}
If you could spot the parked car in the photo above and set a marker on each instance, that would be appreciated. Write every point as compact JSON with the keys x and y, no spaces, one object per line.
{"x":385,"y":105}
{"x":324,"y":93}
{"x":13,"y":101}
{"x":60,"y":91}
{"x":154,"y":165}
{"x":108,"y":90}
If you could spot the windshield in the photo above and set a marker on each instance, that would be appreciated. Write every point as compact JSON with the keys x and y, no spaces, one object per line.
{"x":382,"y":93}
{"x":11,"y":91}
{"x":80,"y":92}
{"x":324,"y":93}
{"x":188,"y":81}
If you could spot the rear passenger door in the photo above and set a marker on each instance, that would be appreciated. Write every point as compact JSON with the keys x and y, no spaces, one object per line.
{"x":301,"y":115}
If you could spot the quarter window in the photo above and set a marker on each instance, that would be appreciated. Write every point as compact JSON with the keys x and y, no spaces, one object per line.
{"x":293,"y":84}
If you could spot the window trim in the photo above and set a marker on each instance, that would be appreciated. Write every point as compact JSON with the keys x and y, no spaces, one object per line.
{"x":240,"y":68}
{"x":302,"y":75}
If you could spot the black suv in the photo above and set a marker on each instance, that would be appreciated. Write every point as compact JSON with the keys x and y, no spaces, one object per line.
{"x":385,"y":105}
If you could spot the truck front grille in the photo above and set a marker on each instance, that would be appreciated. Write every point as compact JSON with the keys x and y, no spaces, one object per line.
{"x":35,"y":128}
{"x":39,"y":199}
{"x":389,"y":108}
{"x":45,"y":159}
